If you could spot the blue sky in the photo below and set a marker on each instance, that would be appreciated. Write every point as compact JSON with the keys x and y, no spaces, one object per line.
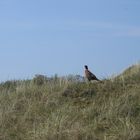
{"x":60,"y":36}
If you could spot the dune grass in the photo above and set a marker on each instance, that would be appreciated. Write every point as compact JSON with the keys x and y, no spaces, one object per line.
{"x":62,"y":109}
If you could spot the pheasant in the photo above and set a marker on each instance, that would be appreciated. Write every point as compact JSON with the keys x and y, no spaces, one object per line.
{"x":90,"y":76}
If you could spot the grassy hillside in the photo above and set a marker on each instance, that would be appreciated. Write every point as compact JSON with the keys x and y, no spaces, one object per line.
{"x":70,"y":109}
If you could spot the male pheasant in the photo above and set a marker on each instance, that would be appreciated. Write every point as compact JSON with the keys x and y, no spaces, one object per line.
{"x":90,"y":76}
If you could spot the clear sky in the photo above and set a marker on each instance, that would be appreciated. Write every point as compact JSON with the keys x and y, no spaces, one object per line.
{"x":61,"y":36}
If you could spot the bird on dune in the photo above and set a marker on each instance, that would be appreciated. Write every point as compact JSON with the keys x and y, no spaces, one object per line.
{"x":89,"y":75}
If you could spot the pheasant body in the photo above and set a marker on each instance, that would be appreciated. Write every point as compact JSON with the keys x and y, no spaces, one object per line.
{"x":89,"y":75}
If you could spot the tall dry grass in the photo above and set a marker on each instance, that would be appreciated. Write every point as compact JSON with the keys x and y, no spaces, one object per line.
{"x":70,"y":109}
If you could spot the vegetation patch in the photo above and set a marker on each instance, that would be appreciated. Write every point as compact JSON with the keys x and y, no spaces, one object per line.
{"x":68,"y":108}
